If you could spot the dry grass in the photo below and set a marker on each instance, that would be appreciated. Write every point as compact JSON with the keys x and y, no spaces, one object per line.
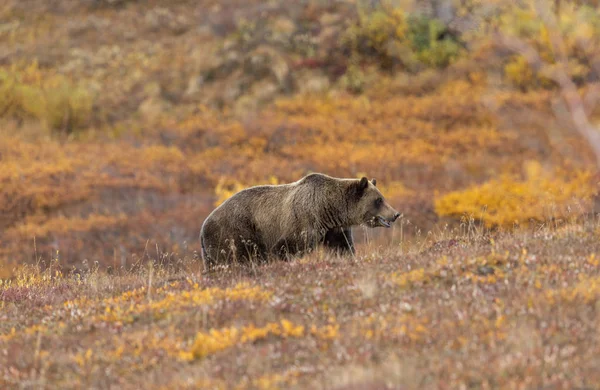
{"x":516,"y":311}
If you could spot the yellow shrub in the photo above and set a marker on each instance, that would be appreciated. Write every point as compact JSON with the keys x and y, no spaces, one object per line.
{"x":29,"y":93}
{"x":519,"y":72}
{"x":216,"y":340}
{"x":375,"y":29}
{"x":410,"y":278}
{"x":380,"y":33}
{"x":507,"y":201}
{"x":578,"y":26}
{"x":208,"y":343}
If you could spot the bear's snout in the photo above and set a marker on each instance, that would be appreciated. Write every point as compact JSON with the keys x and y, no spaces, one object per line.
{"x":385,"y":218}
{"x":389,"y":213}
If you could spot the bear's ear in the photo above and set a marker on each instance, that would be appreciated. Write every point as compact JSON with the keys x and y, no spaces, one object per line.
{"x":358,"y":187}
{"x":374,"y":182}
{"x":364,"y":183}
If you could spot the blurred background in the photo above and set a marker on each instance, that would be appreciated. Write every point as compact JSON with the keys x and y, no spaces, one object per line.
{"x":123,"y":123}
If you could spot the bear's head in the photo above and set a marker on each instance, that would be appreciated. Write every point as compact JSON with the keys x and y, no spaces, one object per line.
{"x":371,"y":208}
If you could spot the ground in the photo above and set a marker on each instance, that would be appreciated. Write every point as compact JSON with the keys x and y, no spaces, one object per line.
{"x":510,"y":311}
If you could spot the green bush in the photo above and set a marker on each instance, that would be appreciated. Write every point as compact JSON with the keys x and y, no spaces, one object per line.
{"x":431,"y":46}
{"x":354,"y":79}
{"x":394,"y":39}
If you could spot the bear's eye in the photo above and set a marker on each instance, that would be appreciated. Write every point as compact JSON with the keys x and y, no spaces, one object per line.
{"x":378,"y":202}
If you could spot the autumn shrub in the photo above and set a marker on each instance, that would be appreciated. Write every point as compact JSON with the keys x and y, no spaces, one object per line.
{"x":429,"y":43}
{"x":373,"y":33}
{"x":393,"y":38}
{"x":573,"y":34}
{"x":508,"y":201}
{"x":31,"y":93}
{"x":520,"y":73}
{"x":217,"y":340}
{"x":354,"y":79}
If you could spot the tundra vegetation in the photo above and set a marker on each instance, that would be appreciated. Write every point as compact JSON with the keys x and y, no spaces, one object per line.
{"x":123,"y":123}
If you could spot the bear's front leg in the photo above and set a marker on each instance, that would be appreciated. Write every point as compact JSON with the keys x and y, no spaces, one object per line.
{"x":340,"y":241}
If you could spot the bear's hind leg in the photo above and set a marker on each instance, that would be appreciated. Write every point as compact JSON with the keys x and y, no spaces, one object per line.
{"x":340,"y":241}
{"x":217,"y":249}
{"x":251,"y":250}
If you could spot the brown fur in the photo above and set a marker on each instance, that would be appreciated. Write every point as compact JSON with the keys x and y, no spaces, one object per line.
{"x":292,"y":219}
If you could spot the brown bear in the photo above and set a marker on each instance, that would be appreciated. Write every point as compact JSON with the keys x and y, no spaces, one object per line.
{"x":289,"y":220}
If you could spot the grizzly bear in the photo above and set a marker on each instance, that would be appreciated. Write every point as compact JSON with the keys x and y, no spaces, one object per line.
{"x":284,"y":221}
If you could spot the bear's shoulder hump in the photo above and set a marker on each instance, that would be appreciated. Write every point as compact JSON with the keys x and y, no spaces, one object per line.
{"x":315,"y":178}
